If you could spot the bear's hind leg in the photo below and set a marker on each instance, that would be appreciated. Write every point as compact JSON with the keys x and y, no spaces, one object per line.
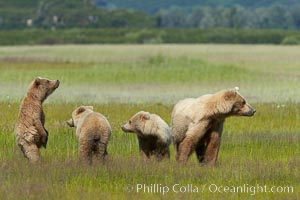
{"x":201,"y":147}
{"x":100,"y":150}
{"x":85,"y":151}
{"x":200,"y":152}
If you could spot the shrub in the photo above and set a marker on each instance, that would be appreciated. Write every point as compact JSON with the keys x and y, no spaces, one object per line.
{"x":291,"y":40}
{"x":140,"y":36}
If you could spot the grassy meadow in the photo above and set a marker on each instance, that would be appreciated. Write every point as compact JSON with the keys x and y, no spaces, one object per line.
{"x":120,"y":80}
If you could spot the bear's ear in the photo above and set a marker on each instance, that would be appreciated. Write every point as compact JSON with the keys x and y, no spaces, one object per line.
{"x":236,"y":88}
{"x":37,"y":81}
{"x":230,"y":94}
{"x":90,"y":107}
{"x":80,"y":109}
{"x":146,"y":116}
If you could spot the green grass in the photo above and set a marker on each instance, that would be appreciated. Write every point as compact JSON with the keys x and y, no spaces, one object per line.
{"x":122,"y":80}
{"x":252,"y":152}
{"x":163,"y":73}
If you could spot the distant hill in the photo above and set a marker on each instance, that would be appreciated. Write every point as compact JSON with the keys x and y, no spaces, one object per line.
{"x":14,"y":13}
{"x":18,"y":3}
{"x":27,"y":6}
{"x":53,"y":14}
{"x":203,"y":14}
{"x":153,"y":6}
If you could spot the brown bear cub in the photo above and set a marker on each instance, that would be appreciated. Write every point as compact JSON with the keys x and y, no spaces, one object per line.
{"x":93,"y":131}
{"x":197,"y":124}
{"x":153,"y":135}
{"x":30,"y":131}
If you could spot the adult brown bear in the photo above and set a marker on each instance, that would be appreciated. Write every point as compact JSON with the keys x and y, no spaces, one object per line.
{"x":197,"y":124}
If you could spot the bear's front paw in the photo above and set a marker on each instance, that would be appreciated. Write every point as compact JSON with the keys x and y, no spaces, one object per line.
{"x":46,"y":132}
{"x":44,"y":141}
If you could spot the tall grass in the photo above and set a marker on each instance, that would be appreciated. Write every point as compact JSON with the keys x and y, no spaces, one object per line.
{"x":261,"y":150}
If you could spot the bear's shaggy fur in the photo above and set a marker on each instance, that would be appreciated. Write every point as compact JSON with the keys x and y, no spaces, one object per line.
{"x":30,"y":131}
{"x":93,"y":132}
{"x":153,"y":135}
{"x":197,"y":124}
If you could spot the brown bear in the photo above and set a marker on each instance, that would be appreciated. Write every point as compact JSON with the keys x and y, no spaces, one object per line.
{"x":30,"y":131}
{"x":93,"y":132}
{"x":197,"y":123}
{"x":153,"y":135}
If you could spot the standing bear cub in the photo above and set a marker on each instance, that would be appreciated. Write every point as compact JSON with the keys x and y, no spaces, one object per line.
{"x":153,"y":135}
{"x":197,"y":124}
{"x":93,"y":131}
{"x":30,"y":131}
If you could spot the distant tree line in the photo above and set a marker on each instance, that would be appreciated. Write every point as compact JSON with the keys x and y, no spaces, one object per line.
{"x":153,"y":6}
{"x":274,"y":17}
{"x":62,"y":14}
{"x":142,"y":36}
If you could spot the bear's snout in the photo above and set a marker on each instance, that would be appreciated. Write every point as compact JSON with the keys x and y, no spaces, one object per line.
{"x":70,"y":123}
{"x":251,"y":112}
{"x":123,"y":128}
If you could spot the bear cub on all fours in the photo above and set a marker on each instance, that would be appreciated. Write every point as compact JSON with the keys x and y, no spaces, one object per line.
{"x":93,"y":131}
{"x":153,"y":135}
{"x":30,"y":131}
{"x":197,"y":123}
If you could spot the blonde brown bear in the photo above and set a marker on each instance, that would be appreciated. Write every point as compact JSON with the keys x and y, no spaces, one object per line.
{"x":30,"y":131}
{"x":153,"y":135}
{"x":197,"y":124}
{"x":93,"y":132}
